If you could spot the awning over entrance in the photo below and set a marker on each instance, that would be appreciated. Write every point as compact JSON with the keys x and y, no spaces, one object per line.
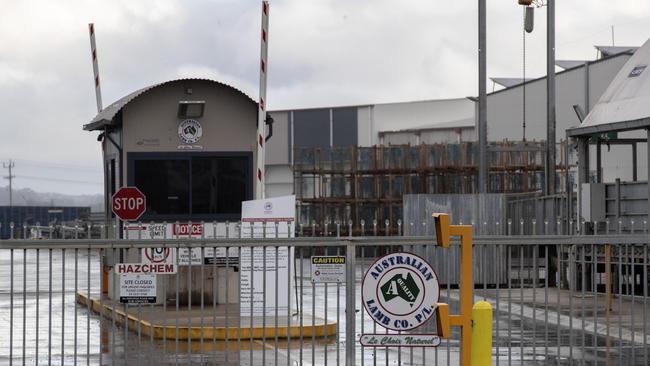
{"x":625,"y":105}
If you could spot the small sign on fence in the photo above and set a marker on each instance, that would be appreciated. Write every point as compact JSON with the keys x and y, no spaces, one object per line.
{"x":328,"y":269}
{"x":145,"y":268}
{"x":400,"y":340}
{"x":137,"y":288}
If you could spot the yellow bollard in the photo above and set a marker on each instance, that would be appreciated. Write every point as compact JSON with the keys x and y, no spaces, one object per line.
{"x":482,"y":334}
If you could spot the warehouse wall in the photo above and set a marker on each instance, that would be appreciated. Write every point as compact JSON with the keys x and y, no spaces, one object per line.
{"x":505,"y":108}
{"x":458,"y":112}
{"x":278,"y":147}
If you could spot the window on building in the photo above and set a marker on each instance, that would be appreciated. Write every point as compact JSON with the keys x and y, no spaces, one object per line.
{"x":192,"y":186}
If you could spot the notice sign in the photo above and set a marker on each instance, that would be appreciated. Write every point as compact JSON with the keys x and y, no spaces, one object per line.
{"x":184,"y":255}
{"x":327,"y":269}
{"x":219,"y":258}
{"x":260,"y":219}
{"x":399,"y":340}
{"x":136,"y":288}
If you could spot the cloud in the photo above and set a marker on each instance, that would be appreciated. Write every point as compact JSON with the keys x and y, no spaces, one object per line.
{"x":321,"y":53}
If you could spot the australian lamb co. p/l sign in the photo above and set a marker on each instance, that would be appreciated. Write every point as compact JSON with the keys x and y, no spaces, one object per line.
{"x":400,"y":292}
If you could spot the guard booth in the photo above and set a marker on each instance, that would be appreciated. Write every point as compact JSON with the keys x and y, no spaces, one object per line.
{"x":189,"y":146}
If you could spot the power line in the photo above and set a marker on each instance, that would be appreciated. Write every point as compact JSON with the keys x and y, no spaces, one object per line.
{"x":47,"y":164}
{"x":58,"y":179}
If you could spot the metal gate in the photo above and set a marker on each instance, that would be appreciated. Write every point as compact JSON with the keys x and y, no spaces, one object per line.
{"x":556,"y":299}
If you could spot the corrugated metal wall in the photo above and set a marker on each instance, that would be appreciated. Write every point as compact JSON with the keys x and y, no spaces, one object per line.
{"x":487,"y":212}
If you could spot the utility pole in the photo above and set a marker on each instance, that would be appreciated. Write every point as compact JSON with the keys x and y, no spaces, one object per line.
{"x":550,"y":98}
{"x":10,"y":177}
{"x":482,"y":100}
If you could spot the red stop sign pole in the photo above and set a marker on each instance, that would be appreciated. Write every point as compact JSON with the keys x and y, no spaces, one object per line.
{"x":129,"y":203}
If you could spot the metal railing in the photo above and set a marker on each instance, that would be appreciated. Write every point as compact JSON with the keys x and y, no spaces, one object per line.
{"x":557,"y":300}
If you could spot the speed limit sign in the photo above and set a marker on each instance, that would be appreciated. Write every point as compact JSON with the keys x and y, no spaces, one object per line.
{"x":159,"y":256}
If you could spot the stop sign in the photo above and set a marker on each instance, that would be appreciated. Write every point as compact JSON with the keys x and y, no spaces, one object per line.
{"x":129,"y":203}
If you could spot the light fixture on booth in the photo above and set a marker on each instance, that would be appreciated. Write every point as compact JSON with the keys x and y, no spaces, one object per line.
{"x":191,"y":108}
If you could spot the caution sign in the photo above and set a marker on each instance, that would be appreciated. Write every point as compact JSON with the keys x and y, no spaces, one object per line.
{"x":327,"y":269}
{"x":137,"y":288}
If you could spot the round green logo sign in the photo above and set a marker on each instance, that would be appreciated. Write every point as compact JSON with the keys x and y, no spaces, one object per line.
{"x":400,"y":291}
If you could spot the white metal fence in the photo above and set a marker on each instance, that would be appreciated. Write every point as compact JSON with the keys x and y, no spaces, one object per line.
{"x":557,"y":300}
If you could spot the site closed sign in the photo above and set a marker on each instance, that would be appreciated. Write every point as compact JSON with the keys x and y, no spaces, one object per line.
{"x":137,"y":288}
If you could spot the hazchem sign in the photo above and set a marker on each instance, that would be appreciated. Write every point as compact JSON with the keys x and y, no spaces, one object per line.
{"x":145,"y":268}
{"x":400,"y":291}
{"x":137,"y":288}
{"x":129,"y":203}
{"x":328,"y":269}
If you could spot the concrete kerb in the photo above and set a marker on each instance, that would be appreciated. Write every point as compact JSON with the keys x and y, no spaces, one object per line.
{"x":320,"y":328}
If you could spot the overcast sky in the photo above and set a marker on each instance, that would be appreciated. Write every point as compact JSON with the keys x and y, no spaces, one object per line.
{"x":321,"y":53}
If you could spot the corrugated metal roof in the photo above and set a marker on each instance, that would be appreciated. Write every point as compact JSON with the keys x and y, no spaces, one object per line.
{"x":568,"y":64}
{"x":509,"y":82}
{"x":445,"y":125}
{"x":105,"y":117}
{"x":625,"y":104}
{"x":613,"y":50}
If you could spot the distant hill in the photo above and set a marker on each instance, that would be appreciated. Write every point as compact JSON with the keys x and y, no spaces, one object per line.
{"x":29,"y":197}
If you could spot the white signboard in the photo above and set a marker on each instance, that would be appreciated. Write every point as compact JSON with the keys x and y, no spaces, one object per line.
{"x":219,"y":258}
{"x":159,"y":256}
{"x":137,"y":288}
{"x":184,"y":256}
{"x":208,"y":230}
{"x":328,"y":269}
{"x":261,"y":218}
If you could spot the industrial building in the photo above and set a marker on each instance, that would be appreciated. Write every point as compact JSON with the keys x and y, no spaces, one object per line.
{"x":23,"y":218}
{"x":356,"y":162}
